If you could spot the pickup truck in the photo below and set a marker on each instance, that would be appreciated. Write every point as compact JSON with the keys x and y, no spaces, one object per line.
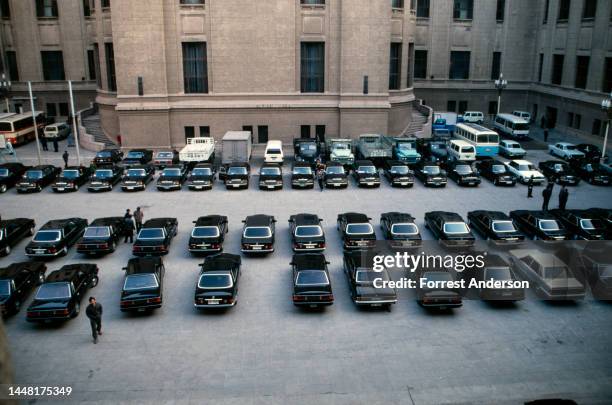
{"x":373,"y":147}
{"x":404,"y":149}
{"x":198,"y":150}
{"x":306,"y":150}
{"x":341,"y":151}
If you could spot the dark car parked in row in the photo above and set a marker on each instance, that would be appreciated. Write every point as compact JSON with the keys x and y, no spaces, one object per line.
{"x":581,"y":224}
{"x":440,"y":295}
{"x":59,"y":297}
{"x":358,"y":268}
{"x":105,"y":179}
{"x":366,"y":174}
{"x":258,"y":234}
{"x":270,"y":177}
{"x":208,"y":234}
{"x":398,"y":174}
{"x":430,"y":174}
{"x":559,"y":172}
{"x":136,"y":178}
{"x":335,"y":175}
{"x":17,"y":282}
{"x":10,"y":175}
{"x":236,"y":176}
{"x":302,"y":175}
{"x":138,"y":157}
{"x":496,"y":172}
{"x":462,"y":173}
{"x":495,"y":226}
{"x":539,"y":225}
{"x":155,"y":237}
{"x":400,"y":230}
{"x":201,"y":177}
{"x":497,"y":269}
{"x":356,"y":231}
{"x":12,"y":231}
{"x":593,"y":267}
{"x":143,"y":285}
{"x":591,"y":152}
{"x":311,"y":282}
{"x":172,"y":178}
{"x":306,"y":233}
{"x":36,"y":178}
{"x":605,"y":214}
{"x":591,"y":172}
{"x":165,"y":158}
{"x":108,"y":157}
{"x":449,"y":228}
{"x":217,"y":285}
{"x":55,"y":238}
{"x":102,"y":236}
{"x":71,"y":178}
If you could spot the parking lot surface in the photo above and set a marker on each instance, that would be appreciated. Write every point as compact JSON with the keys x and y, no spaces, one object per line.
{"x":265,"y":351}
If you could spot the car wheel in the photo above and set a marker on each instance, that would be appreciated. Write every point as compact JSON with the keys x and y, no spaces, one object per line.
{"x":16,"y":306}
{"x":31,"y":231}
{"x":535,"y":237}
{"x":64,"y":251}
{"x":2,"y":188}
{"x":77,"y":309}
{"x":94,"y":282}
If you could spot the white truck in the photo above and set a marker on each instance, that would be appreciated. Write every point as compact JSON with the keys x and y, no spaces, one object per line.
{"x":198,"y":150}
{"x":236,"y":147}
{"x":340,"y":150}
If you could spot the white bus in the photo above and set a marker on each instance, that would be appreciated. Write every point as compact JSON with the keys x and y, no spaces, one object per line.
{"x":511,"y":125}
{"x":484,"y":140}
{"x":18,"y":129}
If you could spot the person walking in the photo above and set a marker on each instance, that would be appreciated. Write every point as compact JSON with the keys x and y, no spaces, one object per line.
{"x":321,"y":178}
{"x":94,"y":313}
{"x":65,"y":156}
{"x":547,"y":193}
{"x":128,"y":214}
{"x":138,"y":217}
{"x":530,"y":187}
{"x":129,"y":229}
{"x":563,"y":197}
{"x":55,"y":145}
{"x":43,"y":143}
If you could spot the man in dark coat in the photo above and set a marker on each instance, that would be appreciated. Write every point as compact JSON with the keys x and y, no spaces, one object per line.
{"x":94,"y":313}
{"x":138,"y":217}
{"x":320,"y":178}
{"x":563,"y":197}
{"x":43,"y":143}
{"x":546,"y":193}
{"x":129,"y":229}
{"x":55,"y":145}
{"x":65,"y":156}
{"x":530,"y":188}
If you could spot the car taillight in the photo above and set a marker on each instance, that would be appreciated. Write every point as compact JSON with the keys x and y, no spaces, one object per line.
{"x":215,"y":246}
{"x":328,"y":297}
{"x":124,"y":303}
{"x":193,"y":246}
{"x":299,"y":298}
{"x":104,"y":246}
{"x":136,"y":249}
{"x":155,"y":300}
{"x":296,"y":245}
{"x":80,"y":246}
{"x":245,"y":246}
{"x":321,"y":245}
{"x":52,"y":250}
{"x":268,"y":246}
{"x":229,"y":300}
{"x":62,"y":312}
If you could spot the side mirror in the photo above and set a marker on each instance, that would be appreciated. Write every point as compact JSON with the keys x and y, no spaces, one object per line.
{"x":243,"y":221}
{"x":326,"y":262}
{"x":124,"y":269}
{"x":291,"y":264}
{"x":194,"y":222}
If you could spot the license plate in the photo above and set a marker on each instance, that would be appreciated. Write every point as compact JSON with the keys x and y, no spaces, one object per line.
{"x":403,"y":183}
{"x":39,"y":251}
{"x":270,"y":187}
{"x":213,"y":302}
{"x":199,"y":187}
{"x":312,"y":305}
{"x":257,"y":247}
{"x":471,"y":183}
{"x":236,"y":185}
{"x":60,"y":189}
{"x":370,"y":184}
{"x":130,"y":188}
{"x":336,"y":184}
{"x":141,"y":309}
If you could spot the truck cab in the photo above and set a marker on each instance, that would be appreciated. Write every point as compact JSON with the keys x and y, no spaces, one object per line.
{"x":405,"y":150}
{"x":306,"y":150}
{"x":341,"y":151}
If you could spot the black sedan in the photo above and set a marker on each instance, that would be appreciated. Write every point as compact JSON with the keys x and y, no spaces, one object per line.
{"x":462,"y":173}
{"x":270,"y":177}
{"x":102,"y":236}
{"x":335,"y":175}
{"x":495,"y":281}
{"x":105,"y":179}
{"x":449,"y":228}
{"x":10,"y":174}
{"x":436,"y":288}
{"x":583,"y":225}
{"x":12,"y":231}
{"x":495,"y":226}
{"x":37,"y":178}
{"x":302,"y":175}
{"x":591,"y":152}
{"x":17,"y":282}
{"x":559,"y":172}
{"x":306,"y":233}
{"x":605,"y":214}
{"x":55,"y":238}
{"x":539,"y":225}
{"x":400,"y":230}
{"x":398,"y":174}
{"x":71,"y":179}
{"x":366,"y":286}
{"x":356,"y":231}
{"x":172,"y":178}
{"x":155,"y":237}
{"x":591,"y":172}
{"x":496,"y":172}
{"x":311,"y":282}
{"x":217,"y":285}
{"x":366,"y":174}
{"x":430,"y":174}
{"x":108,"y":157}
{"x":208,"y":234}
{"x":143,"y":285}
{"x":258,"y":234}
{"x":236,"y":175}
{"x":59,"y":297}
{"x":595,"y":268}
{"x":165,"y":158}
{"x":138,"y":157}
{"x":136,"y":178}
{"x":201,"y":177}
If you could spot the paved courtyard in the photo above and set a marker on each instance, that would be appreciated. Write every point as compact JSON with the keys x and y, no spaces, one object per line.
{"x":265,"y":351}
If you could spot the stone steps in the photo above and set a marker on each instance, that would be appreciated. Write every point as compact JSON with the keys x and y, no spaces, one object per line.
{"x":94,"y":128}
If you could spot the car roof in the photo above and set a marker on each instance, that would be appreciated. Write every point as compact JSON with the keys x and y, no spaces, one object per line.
{"x":40,"y":167}
{"x":362,"y":258}
{"x":73,"y":168}
{"x":355,"y":218}
{"x":209,"y":220}
{"x":309,"y":261}
{"x":14,"y":269}
{"x":268,"y":165}
{"x":66,"y":273}
{"x":140,"y":167}
{"x":542,"y":257}
{"x":399,"y":217}
{"x":258,"y":220}
{"x":334,"y":163}
{"x":238,"y":164}
{"x":158,"y":222}
{"x":56,"y":223}
{"x":223,"y":261}
{"x":143,"y":265}
{"x":447,"y":216}
{"x":306,"y":219}
{"x":110,"y":150}
{"x":537,"y":214}
{"x":495,"y":215}
{"x":107,"y":221}
{"x":11,"y":165}
{"x":140,"y":150}
{"x":510,"y":141}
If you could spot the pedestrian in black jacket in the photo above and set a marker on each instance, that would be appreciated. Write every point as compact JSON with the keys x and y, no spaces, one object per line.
{"x":65,"y":156}
{"x":43,"y":143}
{"x":320,"y":178}
{"x":94,"y":313}
{"x":547,"y":193}
{"x":129,"y":229}
{"x":530,"y":188}
{"x":563,"y":197}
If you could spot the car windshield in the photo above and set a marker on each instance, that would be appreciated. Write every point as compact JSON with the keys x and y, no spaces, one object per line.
{"x":103,"y":174}
{"x":366,"y":169}
{"x":467,"y":149}
{"x":165,"y":155}
{"x":136,"y":172}
{"x":34,"y":174}
{"x":135,"y":155}
{"x":503,"y":226}
{"x":589,"y":168}
{"x":591,"y":224}
{"x":558,"y":167}
{"x":4,"y":172}
{"x":97,"y":232}
{"x":257,"y":232}
{"x":302,"y":170}
{"x":555,"y":272}
{"x":151,"y":233}
{"x":273,"y":152}
{"x":549,"y":225}
{"x":308,"y":147}
{"x":456,"y":228}
{"x":201,"y":171}
{"x":311,"y":278}
{"x":140,"y":282}
{"x":237,"y":171}
{"x":5,"y":288}
{"x":437,"y":276}
{"x":205,"y":232}
{"x":368,"y":276}
{"x":463,"y":169}
{"x":47,"y":236}
{"x":270,"y":171}
{"x":308,"y":230}
{"x":498,"y":273}
{"x":212,"y":281}
{"x":171,"y":172}
{"x":359,"y":229}
{"x":431,"y":170}
{"x":341,"y":146}
{"x":70,"y":174}
{"x":405,"y":146}
{"x":53,"y":291}
{"x":570,"y":147}
{"x":334,"y":170}
{"x":400,"y":169}
{"x":498,"y":169}
{"x":103,"y":154}
{"x":404,"y":229}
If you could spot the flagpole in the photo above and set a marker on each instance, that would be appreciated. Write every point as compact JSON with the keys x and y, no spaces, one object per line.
{"x":34,"y":121}
{"x":75,"y":130}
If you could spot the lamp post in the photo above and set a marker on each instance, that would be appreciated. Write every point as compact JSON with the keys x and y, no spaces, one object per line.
{"x":5,"y":88}
{"x":500,"y":85}
{"x":606,"y":106}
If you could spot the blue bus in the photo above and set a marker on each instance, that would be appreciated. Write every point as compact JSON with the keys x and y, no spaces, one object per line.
{"x":484,"y":140}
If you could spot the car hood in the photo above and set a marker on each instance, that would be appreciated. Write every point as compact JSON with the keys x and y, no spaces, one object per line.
{"x":170,"y":178}
{"x":335,"y":176}
{"x":302,"y":176}
{"x":237,"y":176}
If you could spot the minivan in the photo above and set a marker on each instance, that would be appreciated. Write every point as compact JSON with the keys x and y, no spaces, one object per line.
{"x":461,"y":150}
{"x":274,"y":152}
{"x":475,"y":117}
{"x":523,"y":114}
{"x":57,"y":131}
{"x":511,"y":125}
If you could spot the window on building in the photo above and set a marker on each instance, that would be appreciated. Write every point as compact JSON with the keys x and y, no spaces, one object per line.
{"x":11,"y":61}
{"x":395,"y":66}
{"x":205,"y":132}
{"x":195,"y":67}
{"x":410,"y":63}
{"x":463,"y":107}
{"x":501,"y":10}
{"x":53,"y":65}
{"x":192,"y":2}
{"x":111,"y":78}
{"x":63,"y":110}
{"x":546,"y":8}
{"x":397,"y":3}
{"x":420,"y":64}
{"x":189,"y":133}
{"x":451,"y":106}
{"x":607,"y":76}
{"x":312,"y":67}
{"x":557,"y":69}
{"x":46,"y":8}
{"x":589,"y":10}
{"x":313,"y":2}
{"x":459,"y":65}
{"x":51,"y":110}
{"x":578,"y":121}
{"x":570,"y":119}
{"x":97,"y":64}
{"x":5,"y":9}
{"x":106,"y":3}
{"x":492,"y":107}
{"x":564,"y":10}
{"x":463,"y":9}
{"x":262,"y":133}
{"x":496,"y":66}
{"x":596,"y":127}
{"x":91,"y":64}
{"x":582,"y":71}
{"x":540,"y":68}
{"x":422,"y":10}
{"x":304,"y":131}
{"x":86,"y":8}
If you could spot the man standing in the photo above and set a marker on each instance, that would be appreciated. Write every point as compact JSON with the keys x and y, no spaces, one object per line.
{"x":546,"y":135}
{"x":55,"y":145}
{"x":129,"y":228}
{"x":65,"y":156}
{"x":43,"y":143}
{"x":546,"y":193}
{"x":94,"y":313}
{"x":138,"y":217}
{"x":530,"y":187}
{"x":320,"y":178}
{"x":563,"y":197}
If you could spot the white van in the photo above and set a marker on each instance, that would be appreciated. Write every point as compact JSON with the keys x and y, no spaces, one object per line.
{"x":475,"y":117}
{"x":511,"y":125}
{"x":57,"y":131}
{"x":523,"y":114}
{"x":461,"y":150}
{"x":274,"y":152}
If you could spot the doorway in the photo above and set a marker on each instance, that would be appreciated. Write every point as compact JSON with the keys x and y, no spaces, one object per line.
{"x":262,"y":134}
